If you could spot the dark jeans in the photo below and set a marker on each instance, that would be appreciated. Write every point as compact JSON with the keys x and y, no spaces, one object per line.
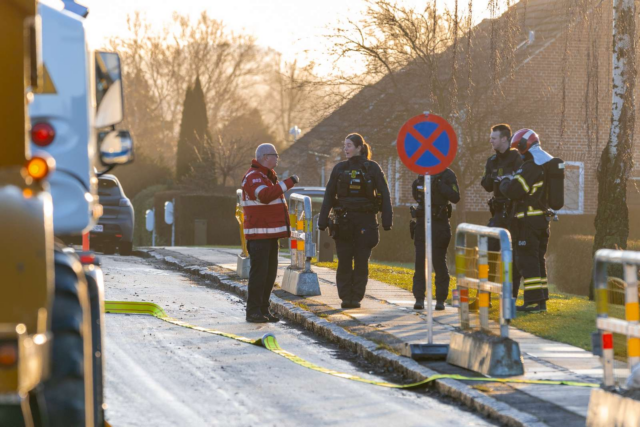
{"x":500,"y":220}
{"x":440,"y":238}
{"x":262,"y":276}
{"x":354,"y":252}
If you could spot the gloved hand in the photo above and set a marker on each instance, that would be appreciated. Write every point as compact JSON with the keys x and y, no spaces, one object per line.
{"x":295,"y":179}
{"x":504,"y":184}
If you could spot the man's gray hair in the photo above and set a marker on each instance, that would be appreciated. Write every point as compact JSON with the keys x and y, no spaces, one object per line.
{"x":265,"y":149}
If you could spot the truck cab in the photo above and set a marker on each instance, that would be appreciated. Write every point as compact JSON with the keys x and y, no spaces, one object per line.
{"x":74,"y":115}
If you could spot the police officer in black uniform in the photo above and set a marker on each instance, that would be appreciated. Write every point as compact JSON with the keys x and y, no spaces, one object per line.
{"x":357,"y":190}
{"x":528,"y":190}
{"x":444,"y":191}
{"x":504,"y":163}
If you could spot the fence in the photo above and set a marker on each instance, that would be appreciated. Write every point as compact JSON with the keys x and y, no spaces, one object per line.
{"x":478,"y":259}
{"x":609,"y":306}
{"x":301,"y":241}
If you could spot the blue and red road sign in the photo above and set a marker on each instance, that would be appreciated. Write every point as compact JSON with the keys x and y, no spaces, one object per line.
{"x":427,"y":144}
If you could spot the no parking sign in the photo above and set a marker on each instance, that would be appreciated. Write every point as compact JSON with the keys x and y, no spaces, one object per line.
{"x":427,"y":144}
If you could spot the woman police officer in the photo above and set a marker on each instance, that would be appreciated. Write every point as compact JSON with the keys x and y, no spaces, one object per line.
{"x":357,"y":190}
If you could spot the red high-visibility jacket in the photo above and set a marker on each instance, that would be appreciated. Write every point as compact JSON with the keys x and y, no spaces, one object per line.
{"x":266,"y":215}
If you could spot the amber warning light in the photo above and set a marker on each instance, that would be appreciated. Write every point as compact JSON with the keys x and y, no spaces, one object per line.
{"x":8,"y":353}
{"x":39,"y":167}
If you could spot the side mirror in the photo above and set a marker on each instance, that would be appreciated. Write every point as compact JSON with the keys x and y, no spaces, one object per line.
{"x":109,"y":93}
{"x":116,"y":148}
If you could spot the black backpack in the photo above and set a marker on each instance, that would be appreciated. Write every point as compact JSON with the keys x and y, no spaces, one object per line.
{"x":554,"y":172}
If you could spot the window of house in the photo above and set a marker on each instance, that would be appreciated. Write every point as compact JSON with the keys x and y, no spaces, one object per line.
{"x":573,"y":188}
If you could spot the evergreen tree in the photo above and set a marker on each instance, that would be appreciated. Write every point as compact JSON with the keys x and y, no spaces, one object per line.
{"x":194,"y":144}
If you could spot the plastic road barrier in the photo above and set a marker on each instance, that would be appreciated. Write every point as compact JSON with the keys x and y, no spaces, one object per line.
{"x":608,"y":325}
{"x":301,"y":241}
{"x":269,"y":342}
{"x":298,"y":278}
{"x":482,"y":283}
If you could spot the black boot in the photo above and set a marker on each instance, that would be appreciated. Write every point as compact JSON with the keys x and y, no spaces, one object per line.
{"x":257,"y":318}
{"x":272,"y":318}
{"x":439,"y":306}
{"x":350,"y":304}
{"x":419,"y":305}
{"x":532,"y":307}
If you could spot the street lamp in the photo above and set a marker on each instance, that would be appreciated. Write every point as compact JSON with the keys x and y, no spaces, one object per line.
{"x":295,"y":132}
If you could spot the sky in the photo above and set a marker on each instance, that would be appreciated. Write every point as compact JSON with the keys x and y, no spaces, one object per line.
{"x":289,"y":26}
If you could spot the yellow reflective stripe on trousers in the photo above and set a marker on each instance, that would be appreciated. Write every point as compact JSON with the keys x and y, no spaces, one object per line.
{"x":269,"y":342}
{"x":529,"y":213}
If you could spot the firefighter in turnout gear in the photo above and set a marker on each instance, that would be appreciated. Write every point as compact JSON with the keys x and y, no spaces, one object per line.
{"x":527,"y":189}
{"x":444,"y":191}
{"x":357,"y":190}
{"x":505,"y":162}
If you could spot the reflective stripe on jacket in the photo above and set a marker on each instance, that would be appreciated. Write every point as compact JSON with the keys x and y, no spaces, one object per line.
{"x":266,"y":215}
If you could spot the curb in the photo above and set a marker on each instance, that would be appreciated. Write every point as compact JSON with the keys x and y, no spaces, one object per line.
{"x":473,"y":399}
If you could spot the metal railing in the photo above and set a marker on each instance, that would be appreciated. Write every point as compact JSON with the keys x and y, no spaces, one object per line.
{"x":240,"y":218}
{"x":482,"y":283}
{"x":606,"y":302}
{"x":301,"y":241}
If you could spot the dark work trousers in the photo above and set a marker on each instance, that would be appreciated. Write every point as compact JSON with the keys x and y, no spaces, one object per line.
{"x":500,"y":220}
{"x":440,"y":238}
{"x":531,"y":243}
{"x":262,"y":275}
{"x":354,"y":250}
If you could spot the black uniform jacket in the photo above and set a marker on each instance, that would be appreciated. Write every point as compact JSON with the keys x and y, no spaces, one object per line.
{"x":444,"y":189}
{"x":356,"y":163}
{"x":527,"y":188}
{"x":499,"y":165}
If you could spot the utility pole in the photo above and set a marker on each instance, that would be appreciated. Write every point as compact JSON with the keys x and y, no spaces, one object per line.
{"x":616,"y":161}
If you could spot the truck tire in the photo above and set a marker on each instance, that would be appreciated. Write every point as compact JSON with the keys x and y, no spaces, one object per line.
{"x":126,"y":248}
{"x":95,"y":283}
{"x":64,"y":392}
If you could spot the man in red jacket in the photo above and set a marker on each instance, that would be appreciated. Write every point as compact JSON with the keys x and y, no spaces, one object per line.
{"x":266,"y":219}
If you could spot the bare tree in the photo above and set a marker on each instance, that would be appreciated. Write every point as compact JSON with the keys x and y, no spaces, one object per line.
{"x":616,"y":162}
{"x":168,"y":60}
{"x":291,"y":98}
{"x":418,"y":53}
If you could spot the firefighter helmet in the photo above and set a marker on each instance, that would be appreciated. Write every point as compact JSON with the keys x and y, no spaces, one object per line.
{"x":524,"y":139}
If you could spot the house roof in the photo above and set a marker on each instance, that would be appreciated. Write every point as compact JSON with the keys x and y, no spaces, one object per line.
{"x":378,"y":111}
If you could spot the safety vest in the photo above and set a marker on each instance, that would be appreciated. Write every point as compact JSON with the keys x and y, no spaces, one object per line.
{"x":266,"y":215}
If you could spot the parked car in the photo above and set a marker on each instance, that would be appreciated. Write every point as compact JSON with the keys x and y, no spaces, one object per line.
{"x":115,"y":226}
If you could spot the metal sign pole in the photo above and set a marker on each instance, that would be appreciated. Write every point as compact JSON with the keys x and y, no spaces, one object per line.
{"x":153,"y":235}
{"x":427,"y":264}
{"x":173,"y":225}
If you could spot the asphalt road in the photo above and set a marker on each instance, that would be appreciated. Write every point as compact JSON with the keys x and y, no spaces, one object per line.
{"x":159,"y":374}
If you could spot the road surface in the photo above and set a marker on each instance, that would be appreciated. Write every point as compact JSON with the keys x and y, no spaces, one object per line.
{"x":159,"y":374}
